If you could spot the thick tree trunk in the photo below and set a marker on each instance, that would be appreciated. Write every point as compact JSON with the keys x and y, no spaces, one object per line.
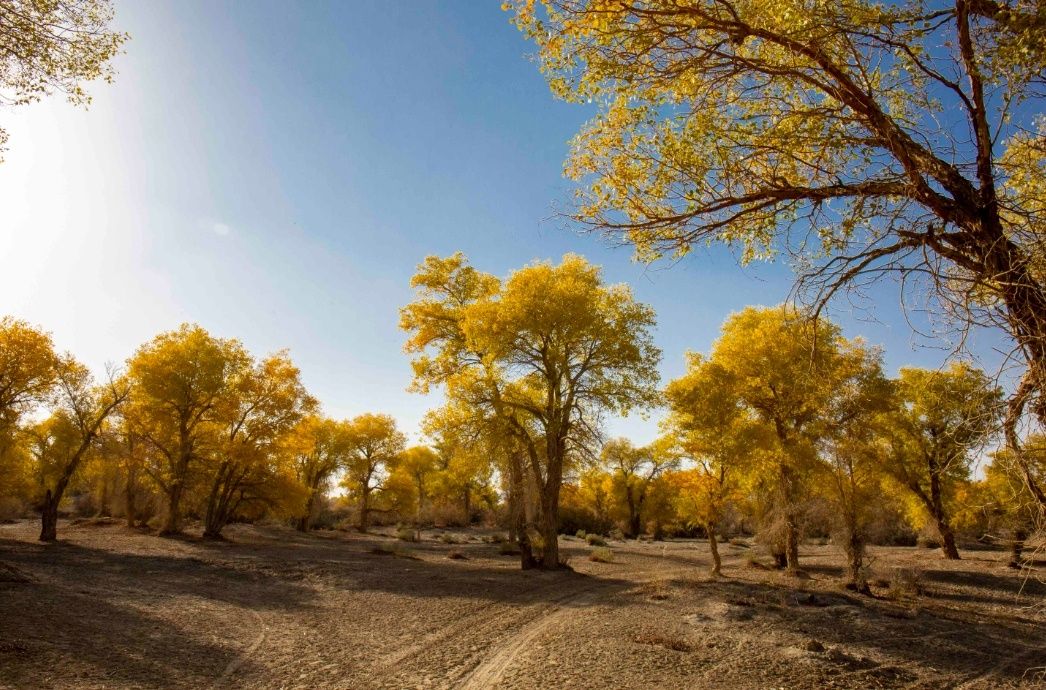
{"x":713,"y":545}
{"x":305,"y":521}
{"x":172,"y":523}
{"x":549,"y":527}
{"x":855,"y":560}
{"x":49,"y":517}
{"x":947,"y":540}
{"x":527,"y":561}
{"x":364,"y":511}
{"x":1017,"y":548}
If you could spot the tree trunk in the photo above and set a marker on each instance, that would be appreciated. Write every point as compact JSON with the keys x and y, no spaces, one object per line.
{"x":713,"y":545}
{"x":305,"y":521}
{"x":173,"y":521}
{"x":549,"y":525}
{"x":364,"y":510}
{"x":467,"y":504}
{"x":791,"y":544}
{"x":947,"y":540}
{"x":212,"y":520}
{"x":49,"y":517}
{"x":129,"y":501}
{"x":527,"y":561}
{"x":855,"y":561}
{"x":1017,"y":548}
{"x":633,"y":514}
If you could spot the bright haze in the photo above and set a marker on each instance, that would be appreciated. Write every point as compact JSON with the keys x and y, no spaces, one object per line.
{"x":275,"y":171}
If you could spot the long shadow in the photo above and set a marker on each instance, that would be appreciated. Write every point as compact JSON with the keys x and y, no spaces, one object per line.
{"x":59,"y":636}
{"x":966,"y":645}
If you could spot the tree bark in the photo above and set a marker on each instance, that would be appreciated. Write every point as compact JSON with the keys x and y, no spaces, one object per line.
{"x":364,"y":510}
{"x":549,"y":524}
{"x":855,"y":560}
{"x":947,"y":540}
{"x":1017,"y":548}
{"x":791,"y":544}
{"x":49,"y":517}
{"x":305,"y":521}
{"x":713,"y":545}
{"x":129,"y":500}
{"x":172,"y":523}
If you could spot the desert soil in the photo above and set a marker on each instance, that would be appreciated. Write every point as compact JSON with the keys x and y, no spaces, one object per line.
{"x":112,"y":607}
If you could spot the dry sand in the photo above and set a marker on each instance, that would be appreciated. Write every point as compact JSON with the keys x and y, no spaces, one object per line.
{"x":111,"y":607}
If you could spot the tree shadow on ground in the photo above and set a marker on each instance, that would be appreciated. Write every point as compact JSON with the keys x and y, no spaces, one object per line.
{"x":906,"y":633}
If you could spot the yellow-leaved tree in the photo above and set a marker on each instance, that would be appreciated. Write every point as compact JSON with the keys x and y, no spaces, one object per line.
{"x":374,"y":446}
{"x":792,"y":372}
{"x":28,"y":374}
{"x":62,"y":442}
{"x":181,"y":384}
{"x":264,"y":401}
{"x":723,"y":437}
{"x":866,"y":138}
{"x":633,"y":472}
{"x":942,"y":420}
{"x":318,"y":448}
{"x":545,"y":352}
{"x":54,"y":46}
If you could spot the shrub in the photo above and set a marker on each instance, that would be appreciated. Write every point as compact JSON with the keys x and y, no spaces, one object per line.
{"x":752,"y":561}
{"x":406,"y":534}
{"x":601,"y":554}
{"x":658,"y":590}
{"x":928,"y":541}
{"x":508,"y":548}
{"x":396,"y":550}
{"x":906,"y":582}
{"x":739,"y":541}
{"x":595,"y":540}
{"x":457,"y":556}
{"x":581,"y":534}
{"x":677,"y":644}
{"x":447,"y":538}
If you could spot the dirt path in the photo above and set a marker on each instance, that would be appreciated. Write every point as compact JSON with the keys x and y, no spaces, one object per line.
{"x":489,"y":673}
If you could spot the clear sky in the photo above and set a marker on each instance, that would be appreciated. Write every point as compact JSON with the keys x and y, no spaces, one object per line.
{"x":275,"y":171}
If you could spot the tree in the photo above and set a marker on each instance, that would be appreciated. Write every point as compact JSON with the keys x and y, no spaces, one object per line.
{"x":546,"y":352}
{"x":319,"y":447}
{"x":418,"y":465}
{"x":943,"y":418}
{"x":181,"y":381}
{"x":28,"y":370}
{"x":868,"y":139}
{"x":374,"y":444}
{"x":54,"y":46}
{"x":788,"y":370}
{"x":1009,"y":495}
{"x":61,"y":442}
{"x":634,"y":470}
{"x":28,"y":374}
{"x":711,"y":425}
{"x":264,"y":401}
{"x":853,"y":456}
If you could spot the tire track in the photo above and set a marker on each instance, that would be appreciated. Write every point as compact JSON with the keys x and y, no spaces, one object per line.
{"x":490,"y":671}
{"x":240,"y":659}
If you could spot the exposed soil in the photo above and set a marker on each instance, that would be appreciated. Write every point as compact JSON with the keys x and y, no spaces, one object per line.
{"x":111,"y":607}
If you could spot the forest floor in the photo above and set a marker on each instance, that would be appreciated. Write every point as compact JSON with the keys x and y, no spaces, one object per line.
{"x":112,"y":607}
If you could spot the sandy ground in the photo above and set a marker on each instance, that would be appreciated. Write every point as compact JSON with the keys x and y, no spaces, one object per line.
{"x":110,"y":607}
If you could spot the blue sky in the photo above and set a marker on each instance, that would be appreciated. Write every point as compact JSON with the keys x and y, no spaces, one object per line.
{"x":275,"y":171}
